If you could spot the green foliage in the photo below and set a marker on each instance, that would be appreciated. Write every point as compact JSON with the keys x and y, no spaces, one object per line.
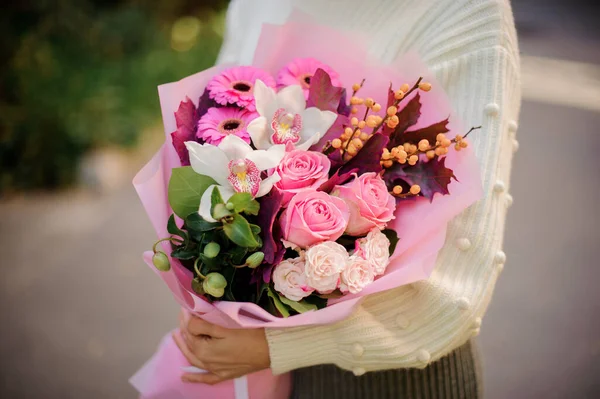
{"x":239,"y":232}
{"x":78,"y":75}
{"x":243,"y":202}
{"x":185,"y":190}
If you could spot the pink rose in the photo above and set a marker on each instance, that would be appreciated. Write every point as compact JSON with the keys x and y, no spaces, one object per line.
{"x":290,"y":280}
{"x":301,"y":169}
{"x":357,"y":275}
{"x":324,"y":263}
{"x":375,"y":248}
{"x":313,"y":217}
{"x":370,"y":203}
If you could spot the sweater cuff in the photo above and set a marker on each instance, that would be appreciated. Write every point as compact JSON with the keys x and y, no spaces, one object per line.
{"x":294,"y":348}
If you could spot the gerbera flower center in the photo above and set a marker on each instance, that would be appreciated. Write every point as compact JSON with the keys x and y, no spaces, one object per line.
{"x":244,"y":176}
{"x":305,"y":80}
{"x":242,"y":86}
{"x":286,"y":127}
{"x":230,"y":126}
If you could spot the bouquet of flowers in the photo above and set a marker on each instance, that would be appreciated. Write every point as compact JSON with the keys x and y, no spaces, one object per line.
{"x":282,"y":196}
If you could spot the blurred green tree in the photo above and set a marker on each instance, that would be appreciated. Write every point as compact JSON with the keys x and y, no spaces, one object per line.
{"x":82,"y":74}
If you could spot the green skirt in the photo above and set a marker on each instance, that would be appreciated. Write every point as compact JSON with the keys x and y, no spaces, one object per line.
{"x":455,"y":376}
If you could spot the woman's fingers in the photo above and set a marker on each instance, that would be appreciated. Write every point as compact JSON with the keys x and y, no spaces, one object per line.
{"x":189,"y":355}
{"x":204,"y":378}
{"x":197,"y":326}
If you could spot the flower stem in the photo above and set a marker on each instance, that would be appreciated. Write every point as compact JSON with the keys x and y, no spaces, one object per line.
{"x":197,"y":269}
{"x":178,"y":242}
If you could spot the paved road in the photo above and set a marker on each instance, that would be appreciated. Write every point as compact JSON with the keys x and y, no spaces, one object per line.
{"x":80,"y":312}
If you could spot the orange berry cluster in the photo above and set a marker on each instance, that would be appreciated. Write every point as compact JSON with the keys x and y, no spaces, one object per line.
{"x":409,"y":153}
{"x":415,"y":189}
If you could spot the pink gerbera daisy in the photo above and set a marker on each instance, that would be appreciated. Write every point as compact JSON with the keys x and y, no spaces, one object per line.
{"x":301,"y":70}
{"x":235,"y":86}
{"x":219,"y":123}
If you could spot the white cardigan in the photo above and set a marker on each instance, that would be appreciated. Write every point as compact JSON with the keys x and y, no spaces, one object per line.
{"x":471,"y":46}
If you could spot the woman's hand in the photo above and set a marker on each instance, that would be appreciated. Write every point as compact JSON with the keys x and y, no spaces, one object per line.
{"x":224,"y":353}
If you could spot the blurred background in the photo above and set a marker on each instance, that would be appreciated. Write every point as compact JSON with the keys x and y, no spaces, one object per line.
{"x":79,"y":115}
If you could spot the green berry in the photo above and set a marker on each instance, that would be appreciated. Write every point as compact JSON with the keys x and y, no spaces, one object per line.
{"x":211,"y":250}
{"x":255,"y":260}
{"x":214,"y":284}
{"x":160,"y":260}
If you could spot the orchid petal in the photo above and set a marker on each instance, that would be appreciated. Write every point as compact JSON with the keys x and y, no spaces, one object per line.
{"x":267,"y":184}
{"x":316,"y":121}
{"x":292,"y":99}
{"x":234,"y":147}
{"x":267,"y":159}
{"x":208,"y":160}
{"x":205,"y":202}
{"x":260,"y":133}
{"x":305,"y":145}
{"x":265,"y":99}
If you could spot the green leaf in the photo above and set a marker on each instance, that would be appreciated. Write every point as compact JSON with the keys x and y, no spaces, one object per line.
{"x":393,"y":237}
{"x":255,"y":229}
{"x":184,"y":253}
{"x":281,"y":308}
{"x":173,"y":229}
{"x":237,"y":254}
{"x":317,"y":300}
{"x":299,"y":307}
{"x":197,"y":223}
{"x":220,"y":211}
{"x":243,"y":202}
{"x":212,"y":263}
{"x":215,"y":199}
{"x":185,"y":190}
{"x":238,"y":230}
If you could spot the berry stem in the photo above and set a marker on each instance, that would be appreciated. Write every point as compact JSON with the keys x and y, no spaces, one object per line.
{"x":415,"y":87}
{"x":178,"y":242}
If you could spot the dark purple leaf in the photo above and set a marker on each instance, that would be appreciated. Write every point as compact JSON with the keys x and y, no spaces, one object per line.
{"x":270,"y":205}
{"x":391,"y":99}
{"x":343,"y":107}
{"x":408,"y":116}
{"x":368,"y":158}
{"x":185,"y":119}
{"x":335,"y":157}
{"x":322,"y":94}
{"x":179,"y":137}
{"x":204,"y":103}
{"x":432,"y":176}
{"x":186,"y":115}
{"x":428,"y":133}
{"x":336,"y":180}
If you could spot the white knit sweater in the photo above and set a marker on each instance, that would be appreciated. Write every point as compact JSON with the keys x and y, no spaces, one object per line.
{"x":471,"y":46}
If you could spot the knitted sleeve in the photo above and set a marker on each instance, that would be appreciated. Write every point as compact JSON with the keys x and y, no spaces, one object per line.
{"x":411,"y":326}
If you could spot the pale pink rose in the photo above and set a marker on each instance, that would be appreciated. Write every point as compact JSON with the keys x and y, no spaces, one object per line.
{"x":313,"y":217}
{"x":375,"y":248}
{"x":357,"y":275}
{"x":290,"y":280}
{"x":324,"y":263}
{"x":301,"y":169}
{"x":370,"y":203}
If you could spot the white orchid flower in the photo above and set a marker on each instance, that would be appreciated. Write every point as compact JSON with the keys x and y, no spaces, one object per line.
{"x":285,"y":119}
{"x":236,"y":168}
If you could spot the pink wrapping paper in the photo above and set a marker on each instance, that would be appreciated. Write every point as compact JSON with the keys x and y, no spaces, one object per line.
{"x":420,"y":224}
